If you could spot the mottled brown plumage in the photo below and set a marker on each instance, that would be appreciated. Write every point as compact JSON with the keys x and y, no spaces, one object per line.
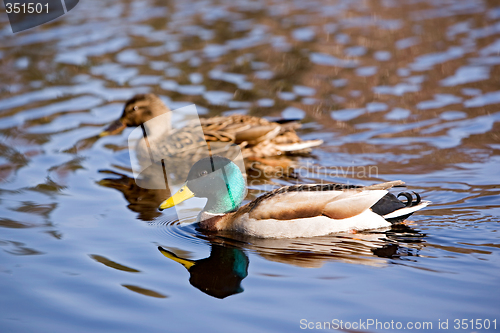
{"x":257,"y":137}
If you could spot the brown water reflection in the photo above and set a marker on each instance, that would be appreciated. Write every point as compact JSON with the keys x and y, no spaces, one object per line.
{"x":408,"y":87}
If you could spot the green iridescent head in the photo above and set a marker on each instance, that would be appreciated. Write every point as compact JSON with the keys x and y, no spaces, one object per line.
{"x":216,"y":178}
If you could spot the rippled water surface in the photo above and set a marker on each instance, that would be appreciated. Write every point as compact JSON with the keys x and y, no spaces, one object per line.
{"x":410,"y":88}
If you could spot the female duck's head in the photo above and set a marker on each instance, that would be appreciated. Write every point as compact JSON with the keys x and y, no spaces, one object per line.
{"x":138,"y":110}
{"x":216,"y":178}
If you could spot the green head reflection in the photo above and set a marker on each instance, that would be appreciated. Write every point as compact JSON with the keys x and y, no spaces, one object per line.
{"x":220,"y":274}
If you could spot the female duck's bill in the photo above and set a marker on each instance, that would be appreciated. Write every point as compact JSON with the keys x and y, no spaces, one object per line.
{"x":291,"y":211}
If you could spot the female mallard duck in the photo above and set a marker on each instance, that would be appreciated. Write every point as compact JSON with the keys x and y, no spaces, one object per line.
{"x":257,"y":137}
{"x":290,"y":211}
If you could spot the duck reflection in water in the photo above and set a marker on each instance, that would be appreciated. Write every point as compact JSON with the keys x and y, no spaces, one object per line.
{"x":140,"y":200}
{"x":398,"y":242}
{"x":220,"y":274}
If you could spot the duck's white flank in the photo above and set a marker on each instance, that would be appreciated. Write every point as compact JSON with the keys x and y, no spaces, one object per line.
{"x":407,"y":210}
{"x":308,"y":227}
{"x":299,"y":145}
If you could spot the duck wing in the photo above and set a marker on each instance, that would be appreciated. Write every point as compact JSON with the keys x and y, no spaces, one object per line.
{"x":239,"y":128}
{"x":261,"y":136}
{"x":335,"y":201}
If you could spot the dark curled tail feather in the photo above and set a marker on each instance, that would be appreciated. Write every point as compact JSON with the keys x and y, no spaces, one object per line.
{"x":409,"y":201}
{"x":390,"y":203}
{"x":387,"y":204}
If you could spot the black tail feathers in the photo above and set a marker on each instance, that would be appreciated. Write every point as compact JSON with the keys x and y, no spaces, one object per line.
{"x":409,"y":199}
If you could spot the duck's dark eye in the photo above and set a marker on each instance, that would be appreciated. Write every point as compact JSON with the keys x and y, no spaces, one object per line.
{"x":203,"y":173}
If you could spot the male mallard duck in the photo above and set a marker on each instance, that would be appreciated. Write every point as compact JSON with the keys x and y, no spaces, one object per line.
{"x":290,"y":211}
{"x":256,"y":136}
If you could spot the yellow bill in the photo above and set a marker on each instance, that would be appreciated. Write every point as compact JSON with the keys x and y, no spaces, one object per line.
{"x":184,"y":193}
{"x":170,"y":255}
{"x":115,"y":127}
